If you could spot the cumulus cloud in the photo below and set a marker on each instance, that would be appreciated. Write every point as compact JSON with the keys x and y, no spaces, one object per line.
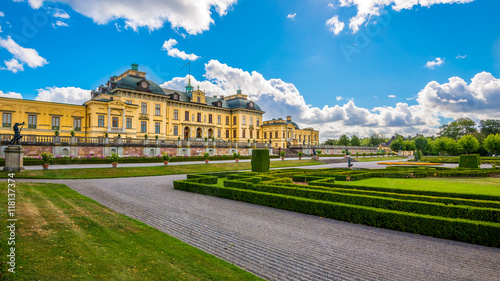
{"x":479,"y":100}
{"x":1,"y":14}
{"x":330,"y":5}
{"x":291,"y":16}
{"x":24,"y":55}
{"x":391,"y":96}
{"x":433,"y":63}
{"x":168,"y":46}
{"x":69,"y":95}
{"x":278,"y":99}
{"x":460,"y":57}
{"x":13,"y":65}
{"x":370,"y":9}
{"x":338,"y":98}
{"x":334,"y":25}
{"x":193,"y":16}
{"x":12,"y":95}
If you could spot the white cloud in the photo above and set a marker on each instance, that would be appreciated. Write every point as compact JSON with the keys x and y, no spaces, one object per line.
{"x":291,"y":16}
{"x":370,"y":9}
{"x":58,"y":13}
{"x":69,"y":95}
{"x":278,"y":99}
{"x":391,"y":96}
{"x":13,"y":65}
{"x":1,"y":14}
{"x":12,"y":95}
{"x":330,"y":5}
{"x":168,"y":46}
{"x":334,"y":25}
{"x":478,"y":100}
{"x":433,"y":63}
{"x":193,"y":16}
{"x":25,"y":55}
{"x":59,"y":23}
{"x":461,"y":57}
{"x":338,"y":98}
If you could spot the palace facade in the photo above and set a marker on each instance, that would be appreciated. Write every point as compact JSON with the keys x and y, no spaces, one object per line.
{"x":131,"y":106}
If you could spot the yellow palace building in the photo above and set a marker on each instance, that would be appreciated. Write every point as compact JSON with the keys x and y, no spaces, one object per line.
{"x":131,"y":106}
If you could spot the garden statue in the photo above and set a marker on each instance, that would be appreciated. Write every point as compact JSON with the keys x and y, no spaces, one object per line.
{"x":349,"y":164}
{"x":17,"y":133}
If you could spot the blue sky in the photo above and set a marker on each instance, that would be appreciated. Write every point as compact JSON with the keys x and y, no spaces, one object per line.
{"x":398,"y":68}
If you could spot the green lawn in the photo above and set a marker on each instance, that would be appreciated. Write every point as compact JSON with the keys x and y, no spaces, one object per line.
{"x":484,"y":186}
{"x":62,"y":235}
{"x":369,"y":159}
{"x":94,"y":173}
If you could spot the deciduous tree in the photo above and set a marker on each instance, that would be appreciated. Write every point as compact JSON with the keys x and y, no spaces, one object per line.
{"x":489,"y":126}
{"x":344,"y":140}
{"x":355,"y":141}
{"x":492,"y":143}
{"x":468,"y":143}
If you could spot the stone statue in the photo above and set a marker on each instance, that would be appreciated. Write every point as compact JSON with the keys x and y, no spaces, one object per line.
{"x":17,"y":133}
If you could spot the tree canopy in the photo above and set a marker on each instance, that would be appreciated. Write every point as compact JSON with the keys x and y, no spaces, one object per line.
{"x":355,"y":141}
{"x":458,"y":128}
{"x":468,"y":143}
{"x":489,"y":126}
{"x":343,"y":140}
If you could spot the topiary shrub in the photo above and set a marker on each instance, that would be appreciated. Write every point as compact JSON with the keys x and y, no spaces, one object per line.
{"x":471,"y":161}
{"x":260,"y":160}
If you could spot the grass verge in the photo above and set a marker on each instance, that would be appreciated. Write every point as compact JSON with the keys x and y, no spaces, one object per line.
{"x":480,"y":186}
{"x":121,"y":172}
{"x":62,"y":235}
{"x":371,"y":159}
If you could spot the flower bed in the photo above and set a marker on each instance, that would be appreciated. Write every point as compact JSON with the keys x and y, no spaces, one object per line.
{"x":67,"y":160}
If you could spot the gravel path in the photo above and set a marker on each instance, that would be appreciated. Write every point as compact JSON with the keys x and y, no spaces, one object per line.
{"x":282,"y":245}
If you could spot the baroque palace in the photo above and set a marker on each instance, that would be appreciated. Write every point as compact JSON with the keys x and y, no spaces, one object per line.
{"x":130,"y":106}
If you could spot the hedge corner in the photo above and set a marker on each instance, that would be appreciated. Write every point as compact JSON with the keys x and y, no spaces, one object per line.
{"x":260,"y":160}
{"x":471,"y":161}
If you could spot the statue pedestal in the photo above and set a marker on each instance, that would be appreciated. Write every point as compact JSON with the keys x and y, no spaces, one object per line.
{"x":13,"y":159}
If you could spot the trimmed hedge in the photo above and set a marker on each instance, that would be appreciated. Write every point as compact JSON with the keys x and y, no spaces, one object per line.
{"x":471,"y":161}
{"x":260,"y":160}
{"x":477,"y":232}
{"x":419,"y":207}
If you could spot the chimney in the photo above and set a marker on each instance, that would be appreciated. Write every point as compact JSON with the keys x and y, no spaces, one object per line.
{"x":289,"y":118}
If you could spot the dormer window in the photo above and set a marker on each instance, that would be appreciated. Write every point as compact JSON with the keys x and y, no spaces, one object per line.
{"x":144,"y":84}
{"x":175,"y":96}
{"x":251,"y":105}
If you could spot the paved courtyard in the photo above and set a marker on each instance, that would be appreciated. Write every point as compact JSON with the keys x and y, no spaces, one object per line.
{"x":283,"y":245}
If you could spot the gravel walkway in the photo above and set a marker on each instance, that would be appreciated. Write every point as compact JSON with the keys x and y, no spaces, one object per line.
{"x":282,"y":245}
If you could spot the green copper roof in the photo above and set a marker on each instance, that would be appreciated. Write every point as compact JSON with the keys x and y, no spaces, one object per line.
{"x":132,"y":83}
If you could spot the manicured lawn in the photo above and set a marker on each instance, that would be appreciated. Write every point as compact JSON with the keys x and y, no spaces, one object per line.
{"x":62,"y":235}
{"x":485,"y":186}
{"x":369,"y":159}
{"x":94,"y":173}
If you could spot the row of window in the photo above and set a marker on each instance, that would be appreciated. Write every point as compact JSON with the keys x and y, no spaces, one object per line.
{"x":276,"y":136}
{"x":33,"y":121}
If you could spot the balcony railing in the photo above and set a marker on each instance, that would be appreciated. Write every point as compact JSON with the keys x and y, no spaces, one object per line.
{"x":31,"y":126}
{"x":6,"y":125}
